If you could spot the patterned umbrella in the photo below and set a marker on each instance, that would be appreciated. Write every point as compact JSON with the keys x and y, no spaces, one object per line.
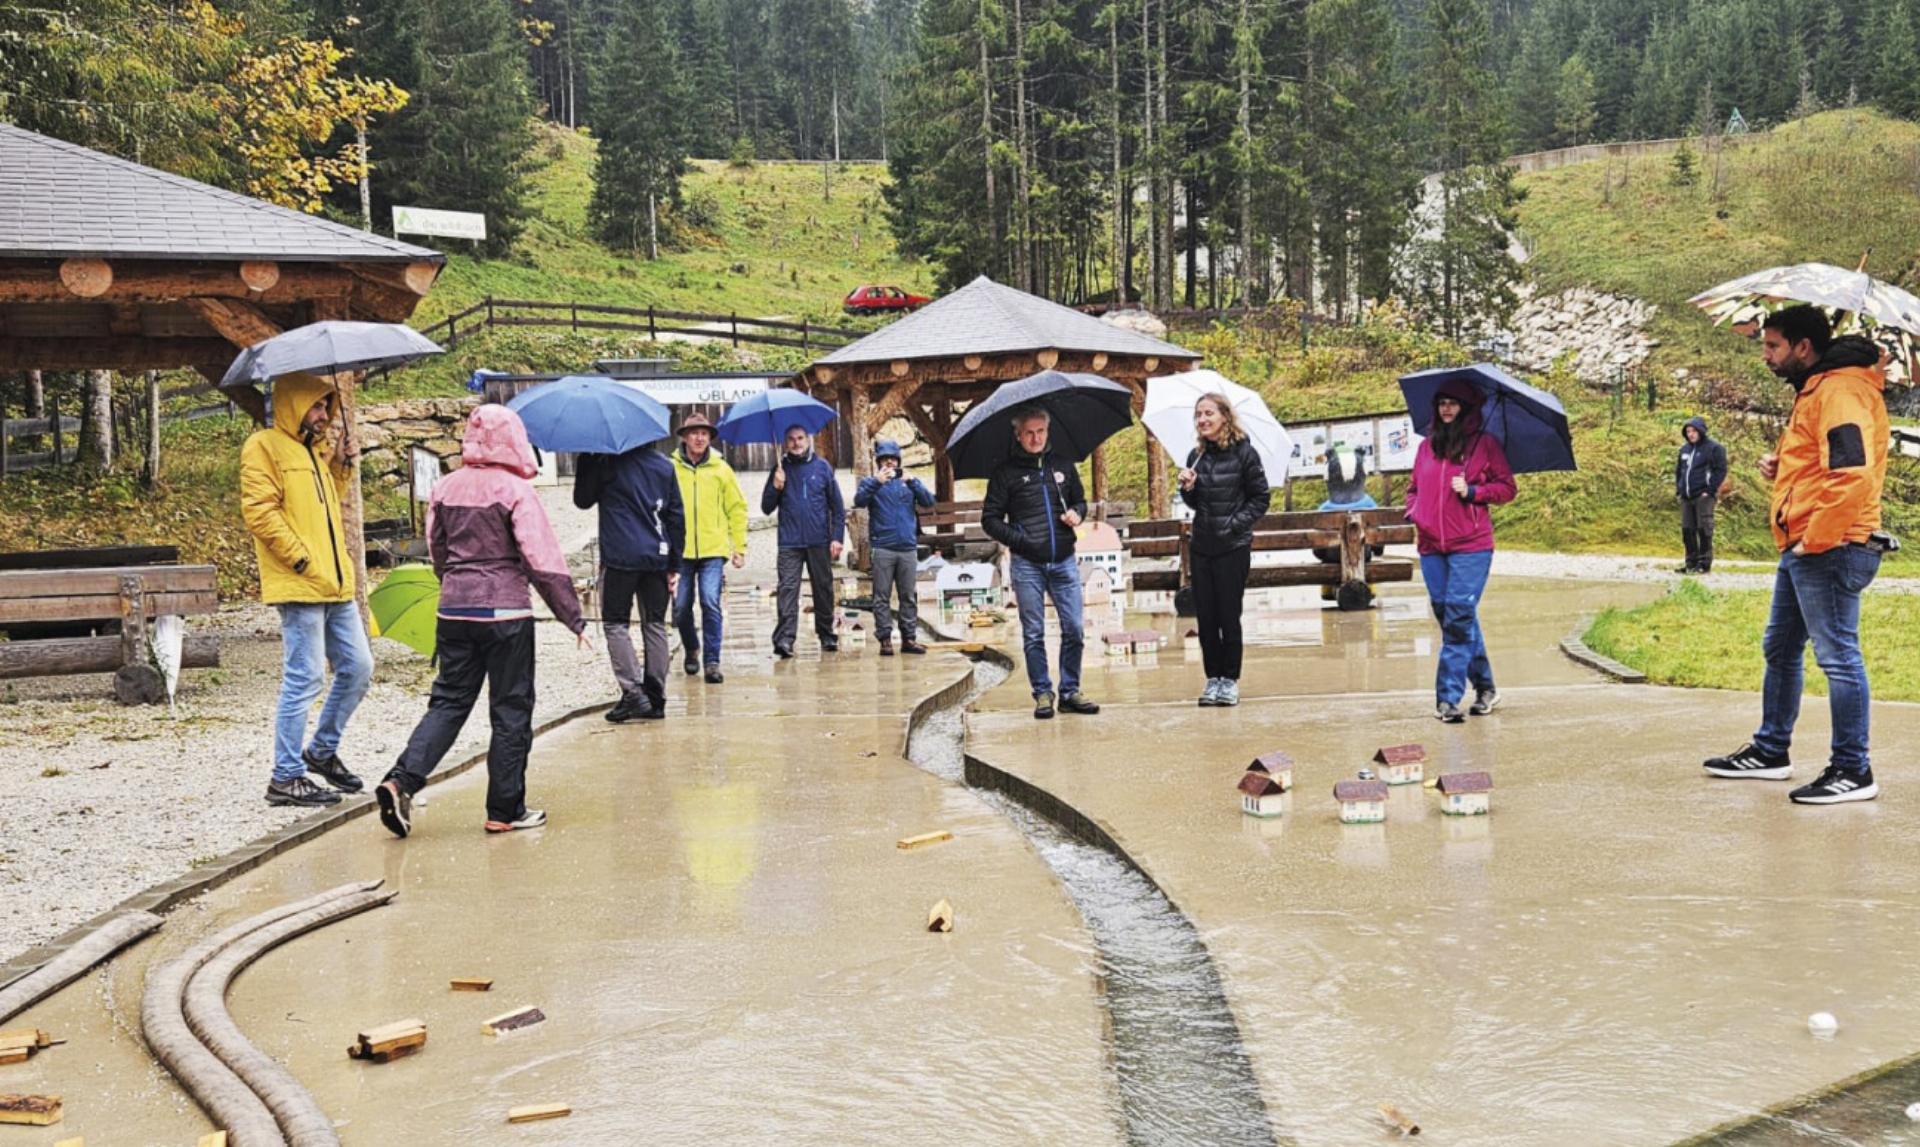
{"x":1857,"y":302}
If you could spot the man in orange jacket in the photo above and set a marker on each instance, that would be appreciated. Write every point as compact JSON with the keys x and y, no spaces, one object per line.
{"x":1827,"y":474}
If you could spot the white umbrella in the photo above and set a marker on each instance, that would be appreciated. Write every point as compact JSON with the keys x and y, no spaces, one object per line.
{"x":1169,"y":414}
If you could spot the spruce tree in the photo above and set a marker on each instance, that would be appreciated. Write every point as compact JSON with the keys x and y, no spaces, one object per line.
{"x":643,"y":145}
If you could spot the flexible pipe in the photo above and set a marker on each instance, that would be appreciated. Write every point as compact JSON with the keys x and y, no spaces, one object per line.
{"x":73,"y":963}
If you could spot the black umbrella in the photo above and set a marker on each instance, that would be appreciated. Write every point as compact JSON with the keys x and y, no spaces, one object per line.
{"x":1086,"y":411}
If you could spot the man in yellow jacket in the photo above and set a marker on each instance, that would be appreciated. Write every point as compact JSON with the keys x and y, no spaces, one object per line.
{"x":1828,"y":473}
{"x":716,"y":514}
{"x":290,"y":480}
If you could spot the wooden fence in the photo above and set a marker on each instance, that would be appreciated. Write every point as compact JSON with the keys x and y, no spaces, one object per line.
{"x":651,"y":321}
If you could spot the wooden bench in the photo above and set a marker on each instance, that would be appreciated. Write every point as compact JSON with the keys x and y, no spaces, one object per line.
{"x":946,"y":526}
{"x":129,"y":596}
{"x":1354,"y":533}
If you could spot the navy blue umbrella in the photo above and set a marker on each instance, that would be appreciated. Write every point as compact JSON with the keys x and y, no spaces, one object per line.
{"x":1530,"y":424}
{"x":590,"y":414}
{"x":1086,"y":410}
{"x":329,"y":347}
{"x":765,"y":417}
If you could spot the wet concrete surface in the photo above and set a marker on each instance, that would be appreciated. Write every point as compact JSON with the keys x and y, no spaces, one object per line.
{"x":1624,"y":952}
{"x":728,"y":944}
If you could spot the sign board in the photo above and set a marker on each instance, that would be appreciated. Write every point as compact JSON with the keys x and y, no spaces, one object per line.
{"x":698,"y":390}
{"x":425,"y":467}
{"x":446,"y":224}
{"x":1388,"y":440}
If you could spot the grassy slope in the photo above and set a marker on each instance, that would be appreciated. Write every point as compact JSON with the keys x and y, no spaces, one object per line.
{"x":1702,"y":638}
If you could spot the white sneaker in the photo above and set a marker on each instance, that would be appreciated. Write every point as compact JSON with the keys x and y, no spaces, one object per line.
{"x":1229,"y":694}
{"x":532,"y":818}
{"x":1210,"y":696}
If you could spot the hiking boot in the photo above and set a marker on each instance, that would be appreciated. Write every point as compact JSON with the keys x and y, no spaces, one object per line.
{"x":626,"y":709}
{"x":1484,"y":701}
{"x":532,"y":818}
{"x":396,"y":808}
{"x":690,"y":663}
{"x":1750,"y":764}
{"x":886,"y":647}
{"x":714,"y":676}
{"x":909,"y":645}
{"x":300,"y":791}
{"x":334,"y":771}
{"x":1042,"y":706}
{"x":1837,"y":786}
{"x":829,"y":645}
{"x":1229,"y":694}
{"x":1449,"y":712}
{"x":648,"y":709}
{"x":1210,"y":696}
{"x":783,"y":652}
{"x":1077,"y":702}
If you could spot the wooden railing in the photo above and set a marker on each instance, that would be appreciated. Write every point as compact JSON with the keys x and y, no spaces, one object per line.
{"x":652,"y":321}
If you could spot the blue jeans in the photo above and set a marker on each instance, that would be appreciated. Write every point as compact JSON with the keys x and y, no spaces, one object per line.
{"x":1032,"y":583}
{"x":311,"y":635}
{"x":1454,"y":585}
{"x":1818,"y":596}
{"x":707,"y":574}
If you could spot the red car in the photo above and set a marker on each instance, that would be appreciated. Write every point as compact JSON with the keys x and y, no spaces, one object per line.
{"x":868,"y":300}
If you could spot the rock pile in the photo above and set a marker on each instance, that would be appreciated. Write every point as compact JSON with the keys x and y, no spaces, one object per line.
{"x":388,"y":429}
{"x":1601,"y":331}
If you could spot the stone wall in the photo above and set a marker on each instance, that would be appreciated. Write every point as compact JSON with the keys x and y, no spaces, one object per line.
{"x":388,"y":429}
{"x":1599,"y":330}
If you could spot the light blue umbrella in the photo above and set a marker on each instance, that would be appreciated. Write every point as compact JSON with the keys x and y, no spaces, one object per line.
{"x":765,"y":417}
{"x":590,"y":414}
{"x":329,"y":347}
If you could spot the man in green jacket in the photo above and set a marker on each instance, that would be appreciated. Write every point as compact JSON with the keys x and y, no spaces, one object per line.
{"x":716,"y":513}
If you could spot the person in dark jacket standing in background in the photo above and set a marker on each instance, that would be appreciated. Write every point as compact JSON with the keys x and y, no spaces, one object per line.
{"x":489,"y":537}
{"x":813,"y":530}
{"x":642,"y":534}
{"x":1697,"y":475}
{"x":893,"y":537}
{"x":1225,"y":484}
{"x":1458,"y":472}
{"x":1033,"y":503}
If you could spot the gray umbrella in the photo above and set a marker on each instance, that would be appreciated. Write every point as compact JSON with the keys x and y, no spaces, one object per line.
{"x":328,"y":348}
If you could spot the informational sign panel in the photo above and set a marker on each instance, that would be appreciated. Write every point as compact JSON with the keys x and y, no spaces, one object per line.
{"x":1388,"y":441}
{"x":425,"y":465}
{"x":698,"y":390}
{"x":446,"y":224}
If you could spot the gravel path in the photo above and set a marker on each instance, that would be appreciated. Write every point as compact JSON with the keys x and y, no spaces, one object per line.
{"x":1612,"y":567}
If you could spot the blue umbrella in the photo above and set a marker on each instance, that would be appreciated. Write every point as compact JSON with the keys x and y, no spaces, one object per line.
{"x":1530,"y":424}
{"x":328,"y":348}
{"x":765,"y":417}
{"x":590,"y":414}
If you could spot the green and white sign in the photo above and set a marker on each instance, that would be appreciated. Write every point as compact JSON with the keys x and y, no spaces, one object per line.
{"x":446,"y":224}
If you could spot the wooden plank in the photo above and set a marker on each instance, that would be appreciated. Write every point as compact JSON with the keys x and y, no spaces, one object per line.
{"x":534,"y":1112}
{"x":213,"y":1139}
{"x":925,"y":838}
{"x":100,"y":607}
{"x":92,"y":557}
{"x":472,"y":984}
{"x":31,"y":1110}
{"x":21,"y":583}
{"x":1315,"y":573}
{"x":521,"y":1017}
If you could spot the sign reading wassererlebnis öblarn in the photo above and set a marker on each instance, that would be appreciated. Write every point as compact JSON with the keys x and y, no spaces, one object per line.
{"x":446,"y":224}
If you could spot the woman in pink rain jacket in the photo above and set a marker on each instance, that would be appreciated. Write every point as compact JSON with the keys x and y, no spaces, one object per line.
{"x":489,"y":538}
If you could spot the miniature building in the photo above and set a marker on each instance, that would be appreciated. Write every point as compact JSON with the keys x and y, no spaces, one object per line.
{"x":1191,"y":639}
{"x":1260,"y":795}
{"x":1096,"y":587}
{"x":1277,"y":765}
{"x":856,"y":635}
{"x":1465,"y":794}
{"x":1141,"y":642}
{"x":1402,"y":764}
{"x":968,"y":585}
{"x":926,"y":578}
{"x":1361,"y":802}
{"x":1098,"y":545}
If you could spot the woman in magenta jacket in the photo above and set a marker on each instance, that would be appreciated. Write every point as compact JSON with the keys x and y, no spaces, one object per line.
{"x":1458,"y":473}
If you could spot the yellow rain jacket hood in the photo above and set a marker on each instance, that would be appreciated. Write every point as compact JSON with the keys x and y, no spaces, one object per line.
{"x":290,"y":498}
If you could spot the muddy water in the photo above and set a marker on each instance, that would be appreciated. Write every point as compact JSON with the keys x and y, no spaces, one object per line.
{"x":1180,"y":1067}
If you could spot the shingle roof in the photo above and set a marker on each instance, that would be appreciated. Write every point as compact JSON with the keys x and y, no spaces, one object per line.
{"x":985,"y":318}
{"x":60,"y":200}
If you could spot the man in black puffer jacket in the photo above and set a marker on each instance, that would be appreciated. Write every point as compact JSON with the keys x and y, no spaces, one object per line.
{"x":1697,"y":475}
{"x":1033,"y":503}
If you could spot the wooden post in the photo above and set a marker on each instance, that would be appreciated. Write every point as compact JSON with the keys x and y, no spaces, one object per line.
{"x":53,"y":412}
{"x":136,"y":682}
{"x":735,"y":317}
{"x":5,"y":445}
{"x":1286,"y":500}
{"x":1158,"y":504}
{"x":803,"y":336}
{"x":1099,"y":469}
{"x":653,"y":334}
{"x":150,"y":472}
{"x":1353,"y":592}
{"x":857,"y":557}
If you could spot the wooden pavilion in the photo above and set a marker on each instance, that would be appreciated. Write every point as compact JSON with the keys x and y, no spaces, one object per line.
{"x":933,"y":364}
{"x":109,"y":265}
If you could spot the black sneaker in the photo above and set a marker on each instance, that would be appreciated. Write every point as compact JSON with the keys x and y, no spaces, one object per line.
{"x":650,"y":710}
{"x":1043,"y":706}
{"x":829,"y":645}
{"x":626,"y":709}
{"x":396,"y":808}
{"x":300,"y":791}
{"x":782,"y":652}
{"x":714,"y":676}
{"x":1078,"y":702}
{"x":1484,"y":701}
{"x":1837,"y":786}
{"x":1449,"y":712}
{"x":909,"y":645}
{"x":333,"y":771}
{"x":1750,"y":764}
{"x":690,"y":663}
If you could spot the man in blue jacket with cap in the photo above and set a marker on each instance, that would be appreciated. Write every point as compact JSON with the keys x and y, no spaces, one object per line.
{"x":642,"y":531}
{"x":893,"y":536}
{"x":813,"y":530}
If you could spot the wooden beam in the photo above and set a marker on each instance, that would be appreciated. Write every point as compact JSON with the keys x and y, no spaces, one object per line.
{"x":893,"y":402}
{"x":87,"y":278}
{"x":382,"y":303}
{"x":60,"y":656}
{"x":110,"y":354}
{"x":43,"y":281}
{"x":862,"y":437}
{"x":239,"y":323}
{"x":415,"y":278}
{"x":260,"y":276}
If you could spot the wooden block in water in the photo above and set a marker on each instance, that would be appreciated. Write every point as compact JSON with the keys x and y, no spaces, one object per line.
{"x":31,"y":1110}
{"x":472,"y":984}
{"x":924,"y":838}
{"x":216,"y":1139}
{"x":76,"y":1141}
{"x":1400,"y":1120}
{"x":390,"y":1041}
{"x":533,"y":1112}
{"x":514,"y":1020}
{"x":25,"y":1037}
{"x":940,"y":919}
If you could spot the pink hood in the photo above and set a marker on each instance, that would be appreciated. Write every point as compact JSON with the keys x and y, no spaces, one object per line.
{"x":497,"y":437}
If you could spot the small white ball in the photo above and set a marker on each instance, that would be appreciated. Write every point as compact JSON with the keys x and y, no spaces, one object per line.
{"x":1913,"y":1112}
{"x":1822,"y":1024}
